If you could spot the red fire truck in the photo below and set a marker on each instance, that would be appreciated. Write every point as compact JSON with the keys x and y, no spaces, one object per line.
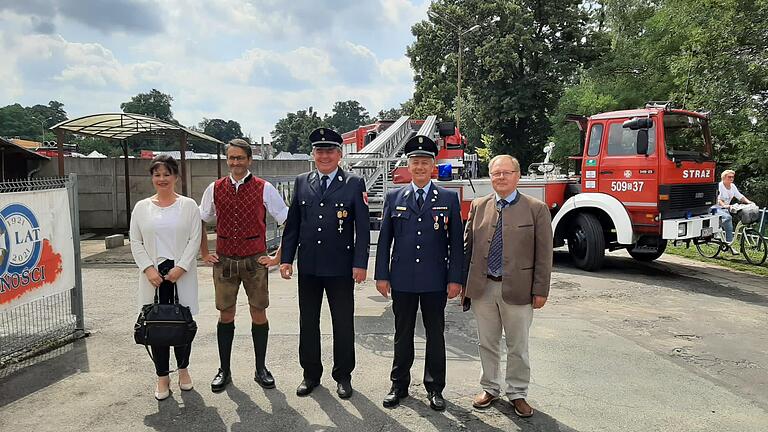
{"x":644,"y":177}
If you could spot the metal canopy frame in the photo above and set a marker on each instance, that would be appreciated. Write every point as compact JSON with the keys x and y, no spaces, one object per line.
{"x":120,"y":127}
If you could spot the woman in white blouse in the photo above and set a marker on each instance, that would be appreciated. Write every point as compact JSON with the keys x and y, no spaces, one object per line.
{"x":165,"y":238}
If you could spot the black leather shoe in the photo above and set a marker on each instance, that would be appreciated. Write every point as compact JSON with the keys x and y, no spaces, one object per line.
{"x":392,"y":399}
{"x":436,"y":401}
{"x":306,"y":387}
{"x":344,"y":389}
{"x":264,"y":378}
{"x":220,"y":381}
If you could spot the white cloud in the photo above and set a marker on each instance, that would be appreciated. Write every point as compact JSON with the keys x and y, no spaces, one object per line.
{"x":248,"y":61}
{"x":400,"y":11}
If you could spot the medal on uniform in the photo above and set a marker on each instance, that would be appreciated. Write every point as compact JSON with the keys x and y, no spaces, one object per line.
{"x":437,"y":225}
{"x":340,"y":215}
{"x":445,"y":221}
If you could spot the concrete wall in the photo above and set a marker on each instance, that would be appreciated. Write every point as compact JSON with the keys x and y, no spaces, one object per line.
{"x":102,"y":185}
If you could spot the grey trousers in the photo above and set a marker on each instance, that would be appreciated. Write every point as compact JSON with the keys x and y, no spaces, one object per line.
{"x":493,"y":315}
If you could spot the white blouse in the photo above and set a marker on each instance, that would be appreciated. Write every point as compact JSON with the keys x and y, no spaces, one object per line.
{"x":183,"y":250}
{"x":165,"y":220}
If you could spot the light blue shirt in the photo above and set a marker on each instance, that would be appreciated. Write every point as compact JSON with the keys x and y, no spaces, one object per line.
{"x":425,"y":189}
{"x":331,"y":176}
{"x":509,"y":198}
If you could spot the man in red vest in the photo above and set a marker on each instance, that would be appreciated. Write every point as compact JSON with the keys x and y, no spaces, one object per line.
{"x":238,"y":203}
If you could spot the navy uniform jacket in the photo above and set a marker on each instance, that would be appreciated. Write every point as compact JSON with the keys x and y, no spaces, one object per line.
{"x":313,"y":225}
{"x":423,"y":259}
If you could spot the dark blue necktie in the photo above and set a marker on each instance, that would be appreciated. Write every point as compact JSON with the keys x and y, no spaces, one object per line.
{"x":323,"y":183}
{"x":495,"y":254}
{"x":420,"y":199}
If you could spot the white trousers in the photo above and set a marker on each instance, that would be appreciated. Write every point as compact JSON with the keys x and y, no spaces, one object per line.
{"x":492,"y":316}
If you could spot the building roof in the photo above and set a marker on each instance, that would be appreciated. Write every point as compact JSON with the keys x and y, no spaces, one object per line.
{"x":9,"y":147}
{"x":27,"y":144}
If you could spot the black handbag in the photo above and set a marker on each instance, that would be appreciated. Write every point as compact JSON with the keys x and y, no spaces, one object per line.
{"x":164,"y":324}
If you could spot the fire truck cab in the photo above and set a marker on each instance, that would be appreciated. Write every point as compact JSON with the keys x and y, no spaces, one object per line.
{"x":644,"y":177}
{"x":647,"y":176}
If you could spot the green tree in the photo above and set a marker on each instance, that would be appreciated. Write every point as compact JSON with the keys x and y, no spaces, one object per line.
{"x":515,"y":65}
{"x":223,"y":130}
{"x":291,"y":132}
{"x":155,"y":104}
{"x":389,"y":114}
{"x":347,"y":115}
{"x":86,"y":145}
{"x":29,"y":122}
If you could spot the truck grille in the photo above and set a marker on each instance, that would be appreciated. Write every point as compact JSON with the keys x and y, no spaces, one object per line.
{"x":687,"y":200}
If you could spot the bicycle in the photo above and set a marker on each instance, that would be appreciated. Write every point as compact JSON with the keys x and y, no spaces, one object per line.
{"x":751,"y":242}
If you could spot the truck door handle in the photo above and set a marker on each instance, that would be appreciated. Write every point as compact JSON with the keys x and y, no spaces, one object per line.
{"x":606,"y":172}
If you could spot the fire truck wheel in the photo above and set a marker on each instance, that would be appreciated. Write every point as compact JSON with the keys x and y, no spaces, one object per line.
{"x":648,"y":254}
{"x":586,"y":242}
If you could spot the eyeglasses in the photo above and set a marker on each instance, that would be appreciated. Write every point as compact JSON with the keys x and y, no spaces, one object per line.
{"x":729,"y":176}
{"x":498,"y":174}
{"x":237,"y":158}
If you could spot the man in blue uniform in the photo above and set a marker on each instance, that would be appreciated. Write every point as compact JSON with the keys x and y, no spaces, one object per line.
{"x":328,"y":223}
{"x":423,"y":270}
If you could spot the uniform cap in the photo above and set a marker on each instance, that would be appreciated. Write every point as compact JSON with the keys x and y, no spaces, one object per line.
{"x":324,"y":137}
{"x":420,"y":146}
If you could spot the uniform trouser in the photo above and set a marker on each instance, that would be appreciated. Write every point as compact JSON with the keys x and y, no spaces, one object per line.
{"x":404,"y":306}
{"x":162,"y":354}
{"x":493,"y":315}
{"x":341,"y":301}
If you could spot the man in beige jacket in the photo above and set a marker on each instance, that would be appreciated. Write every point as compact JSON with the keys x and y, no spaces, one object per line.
{"x":507,"y":267}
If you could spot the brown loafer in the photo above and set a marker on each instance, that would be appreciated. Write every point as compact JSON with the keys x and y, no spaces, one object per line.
{"x":483,"y":400}
{"x":522,"y":408}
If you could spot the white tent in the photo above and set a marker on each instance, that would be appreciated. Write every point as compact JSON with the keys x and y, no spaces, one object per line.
{"x":96,"y":154}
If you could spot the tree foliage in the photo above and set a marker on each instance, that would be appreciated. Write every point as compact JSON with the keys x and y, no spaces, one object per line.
{"x":155,"y":103}
{"x":223,"y":130}
{"x":515,"y":65}
{"x":346,"y":116}
{"x":291,"y":132}
{"x":29,"y":122}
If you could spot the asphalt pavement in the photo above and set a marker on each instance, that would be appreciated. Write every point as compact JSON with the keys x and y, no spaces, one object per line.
{"x":671,"y":345}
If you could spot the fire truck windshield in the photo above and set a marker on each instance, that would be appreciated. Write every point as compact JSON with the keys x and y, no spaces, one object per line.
{"x":686,"y":137}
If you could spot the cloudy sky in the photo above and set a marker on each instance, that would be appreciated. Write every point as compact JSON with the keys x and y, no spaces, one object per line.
{"x":251,"y":61}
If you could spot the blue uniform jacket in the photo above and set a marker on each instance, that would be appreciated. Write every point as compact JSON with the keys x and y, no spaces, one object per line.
{"x":423,"y":259}
{"x":325,"y":246}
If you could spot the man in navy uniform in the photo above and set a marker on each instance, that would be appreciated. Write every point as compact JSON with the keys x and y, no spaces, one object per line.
{"x":424,"y":268}
{"x":328,"y":222}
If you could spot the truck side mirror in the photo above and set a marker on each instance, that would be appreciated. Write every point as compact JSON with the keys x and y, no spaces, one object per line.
{"x":642,"y":142}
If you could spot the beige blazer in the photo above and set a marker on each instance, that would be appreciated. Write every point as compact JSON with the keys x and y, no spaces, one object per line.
{"x":527,"y":236}
{"x":185,"y":249}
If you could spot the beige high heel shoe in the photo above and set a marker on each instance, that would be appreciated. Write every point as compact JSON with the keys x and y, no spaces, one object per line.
{"x":165,"y":394}
{"x":185,"y":386}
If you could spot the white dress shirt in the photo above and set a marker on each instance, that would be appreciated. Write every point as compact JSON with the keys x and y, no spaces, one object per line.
{"x":272,"y":201}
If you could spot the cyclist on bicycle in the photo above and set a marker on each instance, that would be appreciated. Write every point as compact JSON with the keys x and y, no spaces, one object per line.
{"x":727,"y":193}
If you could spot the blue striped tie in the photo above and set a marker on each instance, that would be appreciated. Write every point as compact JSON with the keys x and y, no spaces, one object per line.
{"x":495,"y":254}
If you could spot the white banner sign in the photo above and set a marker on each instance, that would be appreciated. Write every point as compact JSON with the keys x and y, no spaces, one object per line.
{"x":37,"y":257}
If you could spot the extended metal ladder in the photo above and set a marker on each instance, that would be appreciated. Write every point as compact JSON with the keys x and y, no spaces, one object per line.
{"x":379,"y":158}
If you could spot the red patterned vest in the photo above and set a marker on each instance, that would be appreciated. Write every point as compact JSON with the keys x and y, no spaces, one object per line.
{"x":240,"y":217}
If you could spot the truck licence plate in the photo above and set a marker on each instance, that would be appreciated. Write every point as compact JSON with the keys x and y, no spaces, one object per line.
{"x":706,"y":232}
